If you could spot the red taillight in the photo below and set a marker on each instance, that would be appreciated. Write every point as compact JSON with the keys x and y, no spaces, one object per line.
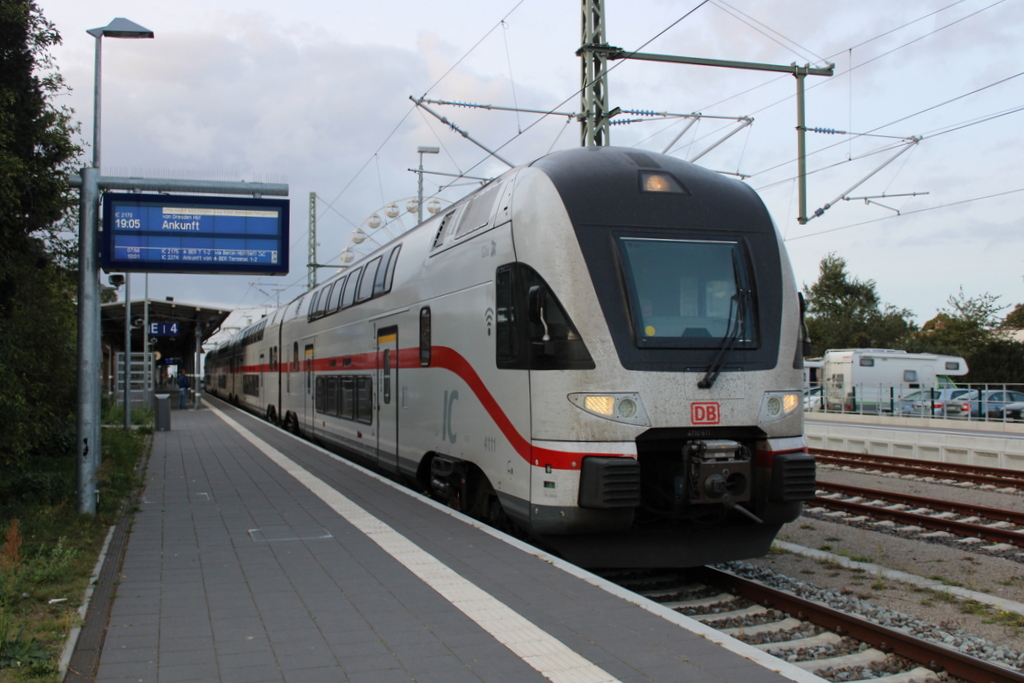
{"x":938,"y":405}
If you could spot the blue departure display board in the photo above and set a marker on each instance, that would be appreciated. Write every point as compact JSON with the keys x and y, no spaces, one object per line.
{"x":183,"y":234}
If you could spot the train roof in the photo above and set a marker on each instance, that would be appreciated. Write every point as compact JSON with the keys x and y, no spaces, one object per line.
{"x":591,"y":180}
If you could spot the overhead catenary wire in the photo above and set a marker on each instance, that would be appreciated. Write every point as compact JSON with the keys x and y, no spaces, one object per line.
{"x":521,"y":129}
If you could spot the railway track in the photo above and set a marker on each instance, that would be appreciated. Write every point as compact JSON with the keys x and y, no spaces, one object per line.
{"x":822,"y":640}
{"x":991,"y":476}
{"x":961,"y":519}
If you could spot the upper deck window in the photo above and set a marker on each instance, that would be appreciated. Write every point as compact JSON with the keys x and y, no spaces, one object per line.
{"x":335,"y":302}
{"x":366,"y":284}
{"x":688,"y":293}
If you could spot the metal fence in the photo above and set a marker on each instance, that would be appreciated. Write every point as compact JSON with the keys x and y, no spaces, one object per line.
{"x":979,"y":402}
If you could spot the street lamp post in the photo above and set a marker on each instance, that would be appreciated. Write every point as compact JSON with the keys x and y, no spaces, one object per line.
{"x":419,"y":194}
{"x":89,"y":330}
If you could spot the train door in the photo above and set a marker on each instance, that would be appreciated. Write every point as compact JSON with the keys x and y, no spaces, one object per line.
{"x":308,"y":383}
{"x":387,"y":397}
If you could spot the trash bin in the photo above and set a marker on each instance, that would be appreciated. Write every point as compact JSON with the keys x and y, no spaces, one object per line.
{"x":163,"y":412}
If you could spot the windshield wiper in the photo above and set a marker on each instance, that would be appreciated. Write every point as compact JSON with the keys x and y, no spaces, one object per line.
{"x":736,"y":326}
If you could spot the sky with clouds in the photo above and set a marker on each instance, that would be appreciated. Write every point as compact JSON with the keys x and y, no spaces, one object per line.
{"x":316,"y":94}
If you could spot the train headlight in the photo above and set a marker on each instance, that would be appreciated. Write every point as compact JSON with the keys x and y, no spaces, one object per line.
{"x":625,"y":407}
{"x":602,"y":405}
{"x":777,"y":405}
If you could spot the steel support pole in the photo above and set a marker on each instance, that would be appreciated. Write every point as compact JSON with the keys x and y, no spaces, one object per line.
{"x":127,"y":350}
{"x":89,"y":352}
{"x":96,"y":104}
{"x":801,"y":149}
{"x":198,"y":367}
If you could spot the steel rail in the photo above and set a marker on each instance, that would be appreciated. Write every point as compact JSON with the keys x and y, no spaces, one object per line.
{"x":965,"y":509}
{"x":994,"y":534}
{"x":924,"y":652}
{"x":978,"y":475}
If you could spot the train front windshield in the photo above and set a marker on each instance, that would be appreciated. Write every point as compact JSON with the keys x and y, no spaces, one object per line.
{"x":688,"y":293}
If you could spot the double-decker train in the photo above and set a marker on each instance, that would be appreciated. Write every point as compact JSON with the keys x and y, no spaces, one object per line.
{"x":601,"y":349}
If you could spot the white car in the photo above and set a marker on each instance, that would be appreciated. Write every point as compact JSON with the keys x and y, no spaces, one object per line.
{"x":814,"y":400}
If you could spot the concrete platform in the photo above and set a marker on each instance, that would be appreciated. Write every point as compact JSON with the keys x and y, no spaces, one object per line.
{"x":256,"y":556}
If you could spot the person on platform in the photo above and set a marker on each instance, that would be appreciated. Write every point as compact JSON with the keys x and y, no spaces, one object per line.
{"x":183,"y":389}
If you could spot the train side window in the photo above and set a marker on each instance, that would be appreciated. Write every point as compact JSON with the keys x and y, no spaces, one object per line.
{"x":331,"y":396}
{"x":312,"y":305}
{"x":320,"y":401}
{"x":366,"y":284}
{"x":506,"y":325}
{"x":391,"y":268}
{"x":320,"y":307}
{"x":382,"y":285}
{"x":350,"y":288}
{"x":335,"y":302}
{"x":347,"y":409}
{"x":386,"y":390}
{"x":534,"y":332}
{"x":425,"y":336}
{"x":364,"y":400}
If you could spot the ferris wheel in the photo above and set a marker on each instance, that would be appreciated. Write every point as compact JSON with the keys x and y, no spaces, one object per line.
{"x":384,"y":225}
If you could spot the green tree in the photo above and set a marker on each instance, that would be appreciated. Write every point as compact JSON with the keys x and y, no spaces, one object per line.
{"x":967,"y":325}
{"x":1014,"y":319}
{"x":970,"y":328}
{"x":37,"y":278}
{"x":844,"y":312}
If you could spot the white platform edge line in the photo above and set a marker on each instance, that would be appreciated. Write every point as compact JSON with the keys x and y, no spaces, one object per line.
{"x":731,"y":644}
{"x":545,"y":653}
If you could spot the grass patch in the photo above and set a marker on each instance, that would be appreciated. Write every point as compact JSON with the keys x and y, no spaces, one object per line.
{"x":989,"y":614}
{"x":48,"y":550}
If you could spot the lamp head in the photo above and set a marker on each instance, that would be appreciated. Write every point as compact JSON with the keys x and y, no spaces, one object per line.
{"x":121,"y":28}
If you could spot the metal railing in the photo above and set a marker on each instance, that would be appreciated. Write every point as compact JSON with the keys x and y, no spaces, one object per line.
{"x":991,"y":402}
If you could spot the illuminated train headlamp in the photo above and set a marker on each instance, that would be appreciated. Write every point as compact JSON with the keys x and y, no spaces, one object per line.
{"x":620,"y":407}
{"x":778,"y":404}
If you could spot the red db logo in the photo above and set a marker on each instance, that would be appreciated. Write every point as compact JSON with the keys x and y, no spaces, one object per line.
{"x":705,"y":413}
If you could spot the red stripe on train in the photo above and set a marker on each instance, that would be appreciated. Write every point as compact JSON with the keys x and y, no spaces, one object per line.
{"x":446,"y":358}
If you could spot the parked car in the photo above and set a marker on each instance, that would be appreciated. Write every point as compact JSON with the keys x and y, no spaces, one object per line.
{"x":1013,"y":412}
{"x":814,"y":400}
{"x":992,"y":402}
{"x":937,"y":403}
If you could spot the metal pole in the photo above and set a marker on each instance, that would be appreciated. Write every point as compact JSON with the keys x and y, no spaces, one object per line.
{"x":198,"y":368}
{"x":127,"y":350}
{"x":801,"y":149}
{"x":89,"y":354}
{"x":96,"y":105}
{"x":147,"y":359}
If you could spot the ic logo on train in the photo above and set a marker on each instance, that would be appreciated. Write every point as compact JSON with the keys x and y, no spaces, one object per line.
{"x":705,"y":413}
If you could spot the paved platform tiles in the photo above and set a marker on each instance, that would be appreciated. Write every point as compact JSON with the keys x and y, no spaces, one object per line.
{"x":255,"y":556}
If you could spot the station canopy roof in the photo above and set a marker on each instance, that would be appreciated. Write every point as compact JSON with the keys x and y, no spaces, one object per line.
{"x":188,"y":316}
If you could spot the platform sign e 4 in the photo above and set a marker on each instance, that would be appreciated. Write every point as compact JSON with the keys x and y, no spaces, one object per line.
{"x":164,"y":329}
{"x":184,"y":234}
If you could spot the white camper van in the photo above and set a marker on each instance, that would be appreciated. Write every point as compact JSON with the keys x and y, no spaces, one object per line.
{"x":872,"y":380}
